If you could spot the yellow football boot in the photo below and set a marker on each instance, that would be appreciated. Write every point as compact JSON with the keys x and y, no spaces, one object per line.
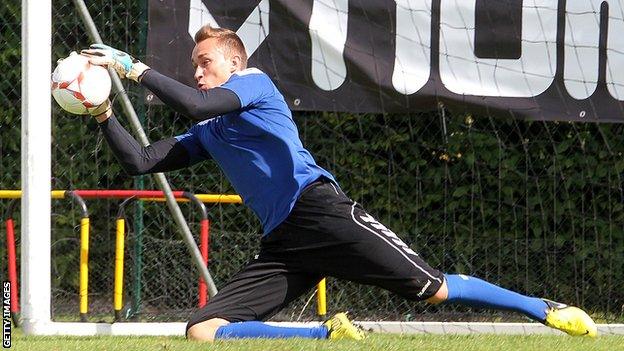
{"x":340,"y":327}
{"x":569,"y":319}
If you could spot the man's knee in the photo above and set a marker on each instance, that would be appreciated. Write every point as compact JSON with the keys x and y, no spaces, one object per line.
{"x":206,"y":330}
{"x":441,"y":295}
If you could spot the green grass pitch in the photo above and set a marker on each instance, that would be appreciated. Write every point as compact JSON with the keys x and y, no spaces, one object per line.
{"x":385,"y":342}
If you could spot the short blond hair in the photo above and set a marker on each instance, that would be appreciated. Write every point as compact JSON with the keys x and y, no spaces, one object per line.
{"x":228,"y":40}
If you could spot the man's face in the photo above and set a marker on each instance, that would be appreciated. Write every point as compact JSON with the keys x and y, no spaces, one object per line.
{"x":212,"y":67}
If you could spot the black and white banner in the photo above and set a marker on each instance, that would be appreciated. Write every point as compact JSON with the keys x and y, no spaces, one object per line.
{"x":534,"y":59}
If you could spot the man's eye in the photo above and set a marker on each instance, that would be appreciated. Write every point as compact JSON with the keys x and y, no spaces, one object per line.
{"x":206,"y":62}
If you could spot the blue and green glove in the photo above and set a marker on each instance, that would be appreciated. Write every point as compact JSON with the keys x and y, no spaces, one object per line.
{"x":125,"y":65}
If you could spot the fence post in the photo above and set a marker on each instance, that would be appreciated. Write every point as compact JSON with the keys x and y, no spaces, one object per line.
{"x":12,"y":262}
{"x":84,"y":256}
{"x":321,"y":298}
{"x":119,"y":259}
{"x":204,"y":241}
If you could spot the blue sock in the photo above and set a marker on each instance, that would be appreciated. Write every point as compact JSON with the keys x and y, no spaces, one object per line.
{"x":475,"y":292}
{"x":246,"y":330}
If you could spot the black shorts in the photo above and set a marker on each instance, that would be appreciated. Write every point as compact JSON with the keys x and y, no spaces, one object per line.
{"x":326,"y":234}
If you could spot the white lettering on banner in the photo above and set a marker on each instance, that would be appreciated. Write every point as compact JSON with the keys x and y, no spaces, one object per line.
{"x":198,"y":17}
{"x":328,"y":33}
{"x":252,"y":32}
{"x":460,"y":70}
{"x":387,"y":232}
{"x":582,"y":52}
{"x":412,"y":63}
{"x":465,"y":74}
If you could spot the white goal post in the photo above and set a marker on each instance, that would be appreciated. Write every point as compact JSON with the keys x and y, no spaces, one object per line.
{"x":36,"y":163}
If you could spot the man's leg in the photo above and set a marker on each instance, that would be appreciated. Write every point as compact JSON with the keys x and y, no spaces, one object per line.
{"x":206,"y":330}
{"x":355,"y":246}
{"x":220,"y":329}
{"x":255,"y":294}
{"x":475,"y":292}
{"x":337,"y":327}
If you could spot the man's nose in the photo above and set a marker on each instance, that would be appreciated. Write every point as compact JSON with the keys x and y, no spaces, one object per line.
{"x":199,"y":73}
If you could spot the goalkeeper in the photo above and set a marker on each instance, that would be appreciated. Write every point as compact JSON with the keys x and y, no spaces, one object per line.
{"x":311,"y":228}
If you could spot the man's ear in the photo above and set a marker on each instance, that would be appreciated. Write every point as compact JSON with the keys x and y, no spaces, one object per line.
{"x":235,"y":63}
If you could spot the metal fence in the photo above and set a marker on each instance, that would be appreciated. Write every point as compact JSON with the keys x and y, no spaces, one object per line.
{"x":533,"y":206}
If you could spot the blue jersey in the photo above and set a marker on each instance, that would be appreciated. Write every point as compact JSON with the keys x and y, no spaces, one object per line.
{"x":257,"y":147}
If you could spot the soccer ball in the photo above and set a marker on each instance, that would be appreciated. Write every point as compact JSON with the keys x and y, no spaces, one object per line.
{"x":78,"y":85}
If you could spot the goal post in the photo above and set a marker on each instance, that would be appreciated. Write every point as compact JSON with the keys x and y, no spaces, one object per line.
{"x":36,"y":164}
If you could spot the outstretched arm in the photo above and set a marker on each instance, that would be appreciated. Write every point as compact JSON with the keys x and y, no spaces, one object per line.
{"x":194,"y":103}
{"x":161,"y":156}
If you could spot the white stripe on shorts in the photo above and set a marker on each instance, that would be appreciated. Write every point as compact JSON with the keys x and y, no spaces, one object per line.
{"x":389,"y":243}
{"x":333,"y":186}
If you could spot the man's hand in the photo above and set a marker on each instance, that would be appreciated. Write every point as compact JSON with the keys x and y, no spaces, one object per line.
{"x":101,"y":112}
{"x":125,"y":65}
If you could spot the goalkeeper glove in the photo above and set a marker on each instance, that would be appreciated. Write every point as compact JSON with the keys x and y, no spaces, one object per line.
{"x":125,"y":65}
{"x":105,"y":110}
